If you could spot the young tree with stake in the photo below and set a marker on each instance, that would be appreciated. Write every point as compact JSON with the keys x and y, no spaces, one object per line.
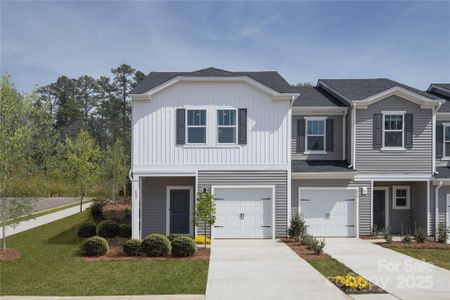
{"x":205,"y":211}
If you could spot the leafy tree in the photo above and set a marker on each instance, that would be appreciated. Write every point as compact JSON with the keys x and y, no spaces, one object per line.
{"x":116,"y":167}
{"x":307,"y":84}
{"x":123,"y":81}
{"x":138,"y":76}
{"x":83,"y":155}
{"x":87,"y":89}
{"x":204,"y":211}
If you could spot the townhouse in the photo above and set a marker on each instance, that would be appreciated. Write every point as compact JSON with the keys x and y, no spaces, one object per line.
{"x":349,"y":155}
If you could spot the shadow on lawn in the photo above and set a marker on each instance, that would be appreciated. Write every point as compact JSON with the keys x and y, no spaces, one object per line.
{"x":66,"y":237}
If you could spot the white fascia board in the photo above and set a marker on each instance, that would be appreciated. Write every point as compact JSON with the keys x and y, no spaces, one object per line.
{"x":275,"y":95}
{"x":443,"y":116}
{"x":323,"y":175}
{"x":441,"y":181}
{"x":393,"y":177}
{"x":191,"y":168}
{"x":165,"y":173}
{"x":418,"y":99}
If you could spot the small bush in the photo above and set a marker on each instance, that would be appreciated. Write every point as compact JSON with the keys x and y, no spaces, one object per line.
{"x":442,"y":234}
{"x":132,"y":247}
{"x":156,"y":245}
{"x":97,"y":209}
{"x":171,"y":237}
{"x":125,"y":230}
{"x":94,"y":246}
{"x":108,"y":229}
{"x":374,"y":231}
{"x":297,"y":227}
{"x":86,"y":230}
{"x":387,"y":235}
{"x":318,"y":246}
{"x":183,"y":246}
{"x":420,"y":235}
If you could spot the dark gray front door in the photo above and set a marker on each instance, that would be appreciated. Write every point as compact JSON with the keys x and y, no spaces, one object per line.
{"x":179,"y":212}
{"x":379,"y":208}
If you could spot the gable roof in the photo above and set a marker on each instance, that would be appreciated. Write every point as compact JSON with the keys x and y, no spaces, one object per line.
{"x":270,"y":79}
{"x":360,"y":89}
{"x":315,"y":96}
{"x":445,"y":86}
{"x":441,"y":90}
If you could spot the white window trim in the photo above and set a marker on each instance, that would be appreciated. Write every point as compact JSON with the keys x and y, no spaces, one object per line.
{"x":394,"y":196}
{"x":444,"y":125}
{"x":227,"y":126}
{"x":191,"y":205}
{"x":196,"y":126}
{"x":385,"y":113}
{"x":324,"y":151}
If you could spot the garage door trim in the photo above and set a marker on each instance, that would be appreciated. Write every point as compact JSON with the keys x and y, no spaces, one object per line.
{"x":355,"y":189}
{"x":272,"y":187}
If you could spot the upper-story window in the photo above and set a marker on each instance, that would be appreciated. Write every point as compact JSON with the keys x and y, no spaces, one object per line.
{"x":226,"y":126}
{"x":393,"y":130}
{"x":447,"y":140}
{"x":315,"y":135}
{"x":196,"y":126}
{"x":401,"y":197}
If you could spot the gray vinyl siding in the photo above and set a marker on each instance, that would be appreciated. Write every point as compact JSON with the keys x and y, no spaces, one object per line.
{"x":336,"y":154}
{"x":348,"y":136}
{"x":278,"y":178}
{"x":154,"y":201}
{"x":416,"y":215}
{"x":439,"y":161}
{"x":364,"y":200}
{"x":416,"y":160}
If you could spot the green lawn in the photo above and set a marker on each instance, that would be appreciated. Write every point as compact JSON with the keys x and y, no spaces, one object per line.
{"x":438,"y":257}
{"x":51,"y":265}
{"x":329,"y":267}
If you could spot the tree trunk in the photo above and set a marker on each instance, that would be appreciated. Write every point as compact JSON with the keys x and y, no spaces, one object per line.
{"x":205,"y":235}
{"x":81,"y":202}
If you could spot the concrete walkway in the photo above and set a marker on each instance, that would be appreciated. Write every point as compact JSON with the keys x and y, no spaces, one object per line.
{"x":398,"y":274}
{"x":32,"y":223}
{"x":147,"y":297}
{"x":263,"y":269}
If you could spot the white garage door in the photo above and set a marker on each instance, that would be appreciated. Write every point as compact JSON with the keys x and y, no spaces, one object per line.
{"x":243,"y":212}
{"x":329,"y":213}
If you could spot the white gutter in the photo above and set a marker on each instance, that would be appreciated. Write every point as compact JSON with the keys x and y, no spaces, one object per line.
{"x":436,"y":209}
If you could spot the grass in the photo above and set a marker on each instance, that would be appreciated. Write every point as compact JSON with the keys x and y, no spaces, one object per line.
{"x":438,"y":257}
{"x":48,"y":211}
{"x":51,"y":265}
{"x":329,"y":267}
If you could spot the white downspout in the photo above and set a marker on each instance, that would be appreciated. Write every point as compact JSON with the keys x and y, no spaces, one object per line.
{"x":289,"y":156}
{"x":344,"y":134}
{"x":353,"y":138}
{"x":436,"y":209}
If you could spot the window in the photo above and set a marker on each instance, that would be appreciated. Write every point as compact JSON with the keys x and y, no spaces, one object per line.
{"x":226,"y":126}
{"x":401,"y":197}
{"x":393,"y":126}
{"x":196,"y":126}
{"x":447,"y":140}
{"x":315,"y":134}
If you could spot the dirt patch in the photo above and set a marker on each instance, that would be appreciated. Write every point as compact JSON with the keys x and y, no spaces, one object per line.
{"x":9,"y":254}
{"x":302,"y":251}
{"x":116,"y":253}
{"x":370,"y":237}
{"x":416,"y":245}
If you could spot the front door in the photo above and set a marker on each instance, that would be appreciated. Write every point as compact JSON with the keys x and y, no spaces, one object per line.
{"x":379,"y":209}
{"x":179,"y":211}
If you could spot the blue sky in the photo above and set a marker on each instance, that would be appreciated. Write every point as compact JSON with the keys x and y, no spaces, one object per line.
{"x":304,"y":41}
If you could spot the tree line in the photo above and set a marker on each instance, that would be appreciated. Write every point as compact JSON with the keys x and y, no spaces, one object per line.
{"x":68,"y":138}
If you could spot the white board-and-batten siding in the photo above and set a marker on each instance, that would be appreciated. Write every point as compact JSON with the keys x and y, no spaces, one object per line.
{"x":154,"y":124}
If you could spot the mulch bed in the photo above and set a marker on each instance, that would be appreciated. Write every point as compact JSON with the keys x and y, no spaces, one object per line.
{"x":302,"y":251}
{"x":370,"y":237}
{"x":373,"y":289}
{"x":9,"y":254}
{"x":415,"y":245}
{"x":116,"y":254}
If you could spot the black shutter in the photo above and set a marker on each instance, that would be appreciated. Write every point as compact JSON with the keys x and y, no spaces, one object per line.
{"x":242,"y":126}
{"x":439,"y":141}
{"x":377,"y":130}
{"x":330,"y":134}
{"x":408,"y":130}
{"x":181,"y":126}
{"x":300,"y":135}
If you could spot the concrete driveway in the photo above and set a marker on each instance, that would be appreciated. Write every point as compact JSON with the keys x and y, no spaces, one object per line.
{"x":263,"y":269}
{"x":400,"y":275}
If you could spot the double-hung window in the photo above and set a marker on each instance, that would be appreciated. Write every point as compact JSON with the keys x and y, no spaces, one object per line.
{"x":196,"y":126}
{"x":315,"y":134}
{"x":226,"y":126}
{"x":401,"y":197}
{"x":393,"y":130}
{"x":446,"y":140}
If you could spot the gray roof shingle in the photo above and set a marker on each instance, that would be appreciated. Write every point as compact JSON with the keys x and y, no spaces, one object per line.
{"x":443,"y":172}
{"x":445,"y":107}
{"x":271,"y":79}
{"x":315,"y":96}
{"x":320,"y":166}
{"x":359,"y":89}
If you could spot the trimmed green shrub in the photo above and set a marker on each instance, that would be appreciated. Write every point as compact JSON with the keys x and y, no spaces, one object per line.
{"x":156,"y":245}
{"x":108,"y":229}
{"x":94,"y":246}
{"x":387,"y":235}
{"x":171,"y":237}
{"x":87,"y":230}
{"x":132,"y":247}
{"x":318,"y":246}
{"x":420,"y":235}
{"x":442,"y":233}
{"x":97,"y":209}
{"x":297,"y":227}
{"x":125,"y":230}
{"x":183,"y":246}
